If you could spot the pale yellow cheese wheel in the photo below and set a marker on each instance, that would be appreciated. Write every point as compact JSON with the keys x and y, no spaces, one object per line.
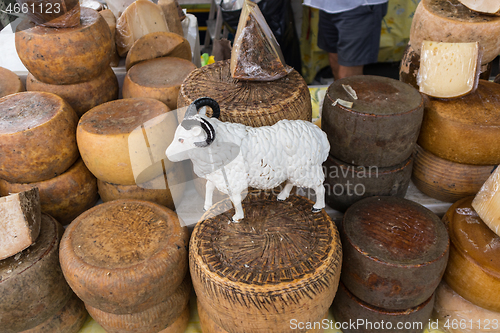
{"x":115,"y":147}
{"x":10,"y":83}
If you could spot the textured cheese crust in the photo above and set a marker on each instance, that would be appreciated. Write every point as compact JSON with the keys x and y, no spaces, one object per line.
{"x":159,"y":78}
{"x":487,"y":202}
{"x":448,"y":70}
{"x":180,"y":324}
{"x":110,"y":18}
{"x":10,"y":83}
{"x":171,"y":13}
{"x":63,"y":197}
{"x":81,"y":96}
{"x":450,"y":21}
{"x":66,"y":55}
{"x":19,"y":221}
{"x":37,"y":137}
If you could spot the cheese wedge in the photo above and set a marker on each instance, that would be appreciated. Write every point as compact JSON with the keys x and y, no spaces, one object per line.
{"x":482,"y":6}
{"x":448,"y":70}
{"x":487,"y":202}
{"x":171,"y":13}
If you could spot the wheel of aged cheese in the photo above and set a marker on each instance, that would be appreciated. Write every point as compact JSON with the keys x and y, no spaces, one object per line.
{"x":81,"y":96}
{"x":66,"y":55}
{"x":251,"y":103}
{"x":445,"y":180}
{"x":52,"y":13}
{"x":486,"y":202}
{"x":118,"y":139}
{"x":152,"y":320}
{"x":395,"y":252}
{"x":180,"y":324}
{"x":10,"y":83}
{"x":381,"y":126}
{"x":473,"y":269}
{"x":32,"y":285}
{"x":281,"y":262}
{"x":156,"y":190}
{"x":69,"y":319}
{"x":464,"y":130}
{"x":159,"y":78}
{"x":347,"y":308}
{"x":63,"y":197}
{"x":410,"y":64}
{"x":450,"y":21}
{"x":37,"y":137}
{"x":110,"y":18}
{"x":125,"y":256}
{"x":156,"y":45}
{"x":451,"y":308}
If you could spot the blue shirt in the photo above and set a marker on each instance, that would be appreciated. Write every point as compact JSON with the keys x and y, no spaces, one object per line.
{"x":338,"y":6}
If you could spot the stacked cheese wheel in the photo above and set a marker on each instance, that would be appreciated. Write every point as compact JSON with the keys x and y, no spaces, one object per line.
{"x":123,"y":144}
{"x":10,"y":83}
{"x":395,"y":253}
{"x":38,"y":143}
{"x":127,"y":260}
{"x":34,"y":295}
{"x":372,"y":124}
{"x":72,"y":62}
{"x":288,"y":269}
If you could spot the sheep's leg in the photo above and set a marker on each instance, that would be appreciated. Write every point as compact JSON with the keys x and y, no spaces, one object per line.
{"x":209,"y":191}
{"x":238,"y":208}
{"x":320,"y":198}
{"x":285,"y":192}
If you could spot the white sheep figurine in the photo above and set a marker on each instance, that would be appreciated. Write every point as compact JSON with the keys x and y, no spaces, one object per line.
{"x":233,"y":156}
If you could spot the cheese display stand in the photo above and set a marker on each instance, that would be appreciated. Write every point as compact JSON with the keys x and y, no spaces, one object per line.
{"x":103,"y":231}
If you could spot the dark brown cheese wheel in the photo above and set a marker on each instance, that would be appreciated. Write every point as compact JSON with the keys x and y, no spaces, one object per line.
{"x":151,"y":320}
{"x":69,"y":319}
{"x":63,"y":197}
{"x":125,"y":256}
{"x":410,"y":64}
{"x":445,"y":180}
{"x":10,"y":83}
{"x":473,"y":269}
{"x":32,"y":285}
{"x":81,"y":96}
{"x":37,"y":137}
{"x":464,"y":130}
{"x":53,"y":13}
{"x":156,"y":190}
{"x":181,"y":323}
{"x":159,"y":78}
{"x":395,"y":252}
{"x":281,"y":262}
{"x":66,"y":55}
{"x":250,"y":103}
{"x":451,"y":22}
{"x":117,"y":149}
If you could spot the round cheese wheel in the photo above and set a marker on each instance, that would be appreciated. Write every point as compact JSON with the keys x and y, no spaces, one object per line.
{"x":63,"y":197}
{"x":180,"y":324}
{"x":37,"y":137}
{"x":473,"y":269}
{"x":251,"y":103}
{"x":32,"y":285}
{"x":445,"y":180}
{"x":118,"y":140}
{"x":159,"y":78}
{"x":395,"y":252}
{"x":156,"y":45}
{"x":125,"y":256}
{"x":284,"y":263}
{"x":69,"y":319}
{"x":151,"y":320}
{"x":81,"y":96}
{"x":10,"y":83}
{"x":66,"y":55}
{"x":460,"y":315}
{"x":156,"y":190}
{"x":450,"y":21}
{"x":53,"y":13}
{"x":464,"y":130}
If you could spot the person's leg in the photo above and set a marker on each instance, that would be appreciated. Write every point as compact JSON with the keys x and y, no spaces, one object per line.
{"x":328,"y":38}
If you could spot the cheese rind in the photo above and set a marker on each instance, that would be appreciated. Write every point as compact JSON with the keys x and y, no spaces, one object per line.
{"x":81,"y":96}
{"x":110,"y":18}
{"x":450,"y":21}
{"x":37,"y":136}
{"x":487,"y":202}
{"x":448,"y":70}
{"x":10,"y":83}
{"x":140,"y":18}
{"x":20,"y":216}
{"x":65,"y":55}
{"x":171,"y":13}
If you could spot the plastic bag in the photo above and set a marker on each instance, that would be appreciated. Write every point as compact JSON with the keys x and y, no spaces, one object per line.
{"x":54,"y":14}
{"x":256,"y":54}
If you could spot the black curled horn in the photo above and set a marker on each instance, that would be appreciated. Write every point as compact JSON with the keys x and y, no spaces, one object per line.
{"x":191,"y":119}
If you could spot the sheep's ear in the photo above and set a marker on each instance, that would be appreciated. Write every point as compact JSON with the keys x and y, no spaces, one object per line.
{"x":196,"y":130}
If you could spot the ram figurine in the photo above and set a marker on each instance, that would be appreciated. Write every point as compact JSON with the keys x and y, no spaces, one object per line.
{"x":232,"y":156}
